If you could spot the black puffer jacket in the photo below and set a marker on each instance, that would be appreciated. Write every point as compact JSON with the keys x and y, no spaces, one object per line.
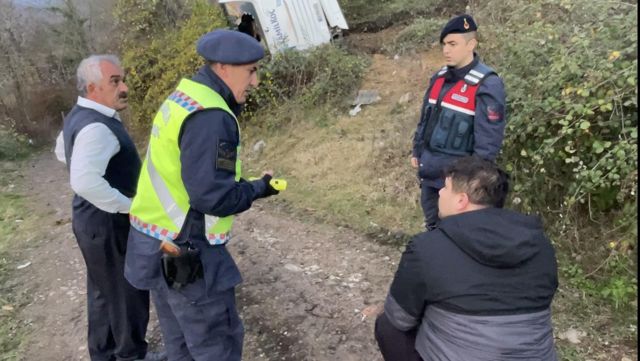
{"x":478,"y":287}
{"x":486,"y":262}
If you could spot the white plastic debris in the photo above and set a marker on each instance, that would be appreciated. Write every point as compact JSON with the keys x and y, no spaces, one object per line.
{"x":353,"y":112}
{"x":366,"y":97}
{"x":259,"y":146}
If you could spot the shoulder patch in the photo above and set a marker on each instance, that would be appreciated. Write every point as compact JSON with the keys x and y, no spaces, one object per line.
{"x":226,"y":153}
{"x":495,"y":113}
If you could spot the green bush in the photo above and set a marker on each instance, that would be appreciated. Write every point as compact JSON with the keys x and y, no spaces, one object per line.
{"x":142,"y":20}
{"x":570,"y":72}
{"x":12,"y":144}
{"x":315,"y":77}
{"x":157,"y":54}
{"x":571,"y":79}
{"x":156,"y":66}
{"x":420,"y":35}
{"x":362,"y":15}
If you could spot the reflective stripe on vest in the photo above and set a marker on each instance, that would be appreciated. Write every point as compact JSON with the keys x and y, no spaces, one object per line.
{"x":161,"y":204}
{"x":460,"y":98}
{"x":449,"y":127}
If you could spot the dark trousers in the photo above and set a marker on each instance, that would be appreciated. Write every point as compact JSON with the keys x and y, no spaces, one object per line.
{"x":395,"y":345}
{"x":118,"y":313}
{"x":429,"y":199}
{"x":198,"y":328}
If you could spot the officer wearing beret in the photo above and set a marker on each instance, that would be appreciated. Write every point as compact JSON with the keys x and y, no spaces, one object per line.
{"x":189,"y":189}
{"x":463,"y":113}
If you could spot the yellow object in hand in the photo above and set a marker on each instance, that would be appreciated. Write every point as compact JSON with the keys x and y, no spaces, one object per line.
{"x":278,"y":184}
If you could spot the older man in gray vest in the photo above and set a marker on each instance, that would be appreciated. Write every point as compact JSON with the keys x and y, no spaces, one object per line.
{"x":103,"y":169}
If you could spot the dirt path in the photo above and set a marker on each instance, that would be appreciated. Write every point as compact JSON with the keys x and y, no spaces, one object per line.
{"x":56,"y":276}
{"x":304,"y":284}
{"x":304,"y":287}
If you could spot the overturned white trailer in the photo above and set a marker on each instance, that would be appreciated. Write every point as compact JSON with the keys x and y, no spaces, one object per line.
{"x":285,"y":24}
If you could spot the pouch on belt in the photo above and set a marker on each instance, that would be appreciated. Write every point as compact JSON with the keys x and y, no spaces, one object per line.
{"x":183,"y":268}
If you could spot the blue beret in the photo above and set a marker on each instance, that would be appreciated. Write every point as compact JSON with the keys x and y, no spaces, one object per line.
{"x":229,"y":47}
{"x":459,"y":25}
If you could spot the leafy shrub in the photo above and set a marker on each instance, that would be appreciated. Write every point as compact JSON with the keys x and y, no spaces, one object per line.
{"x":571,"y":81}
{"x":570,"y":73}
{"x":362,"y":15}
{"x":420,"y":35}
{"x":140,"y":21}
{"x":321,"y":75}
{"x":158,"y":54}
{"x":155,"y":66}
{"x":619,"y":287}
{"x":13,"y":145}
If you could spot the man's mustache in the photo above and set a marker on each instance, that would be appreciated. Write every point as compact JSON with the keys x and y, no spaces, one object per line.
{"x":123,"y":95}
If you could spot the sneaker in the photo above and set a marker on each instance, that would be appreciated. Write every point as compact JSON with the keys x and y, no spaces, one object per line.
{"x":155,"y":356}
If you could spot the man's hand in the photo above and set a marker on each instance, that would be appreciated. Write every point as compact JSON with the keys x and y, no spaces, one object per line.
{"x":170,"y":248}
{"x":372,"y":310}
{"x":414,"y":162}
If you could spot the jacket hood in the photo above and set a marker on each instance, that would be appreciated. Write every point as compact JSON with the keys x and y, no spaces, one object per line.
{"x":496,"y":237}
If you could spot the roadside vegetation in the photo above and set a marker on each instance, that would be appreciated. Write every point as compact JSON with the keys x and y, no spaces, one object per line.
{"x":419,"y":35}
{"x":572,"y":134}
{"x":572,"y":144}
{"x":363,"y":17}
{"x":13,"y":145}
{"x":15,"y":221}
{"x":161,"y":50}
{"x":14,"y":148}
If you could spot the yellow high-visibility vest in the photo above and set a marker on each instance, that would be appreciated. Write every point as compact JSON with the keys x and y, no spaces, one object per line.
{"x":161,"y":202}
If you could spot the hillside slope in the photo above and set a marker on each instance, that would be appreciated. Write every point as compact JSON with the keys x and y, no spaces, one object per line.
{"x":355,"y":169}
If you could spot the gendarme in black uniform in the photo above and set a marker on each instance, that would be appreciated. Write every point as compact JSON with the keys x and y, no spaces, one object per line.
{"x":463,"y":113}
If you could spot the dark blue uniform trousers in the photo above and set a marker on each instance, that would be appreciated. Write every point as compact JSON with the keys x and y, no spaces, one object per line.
{"x":429,"y":199}
{"x":195,"y":327}
{"x":118,"y":313}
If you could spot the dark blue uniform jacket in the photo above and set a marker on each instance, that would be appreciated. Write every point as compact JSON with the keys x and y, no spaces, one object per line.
{"x":207,"y":141}
{"x":488,"y":133}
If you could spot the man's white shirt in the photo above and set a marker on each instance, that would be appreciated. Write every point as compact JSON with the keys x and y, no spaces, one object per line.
{"x":94,"y":146}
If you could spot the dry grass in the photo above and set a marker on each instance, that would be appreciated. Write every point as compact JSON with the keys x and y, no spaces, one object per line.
{"x":16,"y":224}
{"x":354,"y":169}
